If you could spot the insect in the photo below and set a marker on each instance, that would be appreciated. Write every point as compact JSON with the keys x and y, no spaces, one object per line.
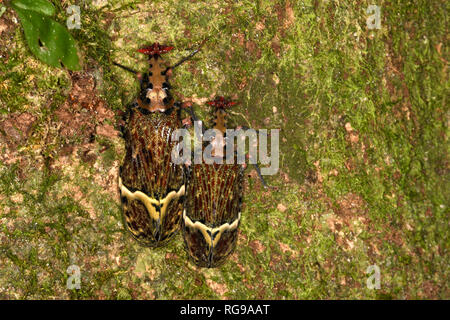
{"x":151,"y":186}
{"x":212,"y":210}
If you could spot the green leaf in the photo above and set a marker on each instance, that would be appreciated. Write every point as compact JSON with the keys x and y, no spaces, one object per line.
{"x":47,"y":39}
{"x":2,"y":10}
{"x":40,"y":6}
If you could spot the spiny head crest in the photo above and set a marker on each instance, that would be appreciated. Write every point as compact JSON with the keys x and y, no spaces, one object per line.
{"x":155,"y":49}
{"x":221,"y":102}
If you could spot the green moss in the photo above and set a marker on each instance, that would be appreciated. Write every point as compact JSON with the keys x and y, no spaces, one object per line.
{"x":372,"y":193}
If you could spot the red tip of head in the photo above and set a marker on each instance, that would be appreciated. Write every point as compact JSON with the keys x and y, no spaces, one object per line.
{"x":221,"y":102}
{"x":155,"y":48}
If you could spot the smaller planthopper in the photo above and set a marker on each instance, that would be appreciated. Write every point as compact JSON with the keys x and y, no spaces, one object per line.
{"x":212,"y":211}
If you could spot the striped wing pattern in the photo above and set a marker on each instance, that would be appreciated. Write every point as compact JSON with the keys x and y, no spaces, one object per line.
{"x":212,"y":212}
{"x":152,"y":187}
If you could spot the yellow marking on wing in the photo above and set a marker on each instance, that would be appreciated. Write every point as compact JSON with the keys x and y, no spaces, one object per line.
{"x":204,"y":229}
{"x":147,"y":201}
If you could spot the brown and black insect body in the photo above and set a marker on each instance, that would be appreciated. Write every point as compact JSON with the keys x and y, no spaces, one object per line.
{"x":212,"y":212}
{"x":152,"y":187}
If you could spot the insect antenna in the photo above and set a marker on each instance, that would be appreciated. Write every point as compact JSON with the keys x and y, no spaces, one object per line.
{"x":193,"y":53}
{"x":125,"y":68}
